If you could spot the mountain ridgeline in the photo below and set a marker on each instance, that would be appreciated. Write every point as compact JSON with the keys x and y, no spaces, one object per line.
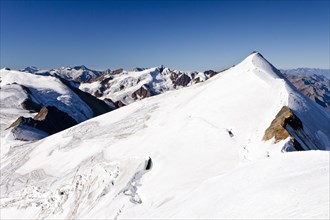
{"x":224,"y":148}
{"x":104,"y":91}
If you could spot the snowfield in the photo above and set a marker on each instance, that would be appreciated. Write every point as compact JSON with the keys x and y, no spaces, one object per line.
{"x":191,"y":153}
{"x":58,"y":94}
{"x":18,"y":86}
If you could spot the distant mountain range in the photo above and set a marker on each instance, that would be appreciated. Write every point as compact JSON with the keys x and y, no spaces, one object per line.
{"x":306,"y":72}
{"x":180,"y":145}
{"x":316,"y":87}
{"x":66,"y":96}
{"x":120,"y":87}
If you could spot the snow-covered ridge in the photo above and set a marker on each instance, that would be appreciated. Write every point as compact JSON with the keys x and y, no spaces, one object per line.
{"x":307,"y":72}
{"x":48,"y":90}
{"x":123,"y":85}
{"x":191,"y":153}
{"x":24,"y":94}
{"x":119,"y":87}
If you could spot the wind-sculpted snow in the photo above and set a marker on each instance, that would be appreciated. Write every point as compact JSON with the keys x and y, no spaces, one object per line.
{"x":49,"y":91}
{"x":191,"y":153}
{"x":79,"y":190}
{"x":24,"y":94}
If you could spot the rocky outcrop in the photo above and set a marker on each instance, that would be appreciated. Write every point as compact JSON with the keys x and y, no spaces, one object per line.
{"x":49,"y":119}
{"x":141,"y":93}
{"x":210,"y":73}
{"x":138,"y":69}
{"x":118,"y":71}
{"x":287,"y":124}
{"x":197,"y":80}
{"x":119,"y":104}
{"x":173,"y":76}
{"x":315,"y":87}
{"x":30,"y":105}
{"x":98,"y":106}
{"x":182,"y":80}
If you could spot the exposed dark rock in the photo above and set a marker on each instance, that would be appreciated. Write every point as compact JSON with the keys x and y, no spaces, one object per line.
{"x":104,"y":79}
{"x":149,"y":164}
{"x":182,"y":80}
{"x":138,"y":69}
{"x":197,"y":80}
{"x":210,"y":73}
{"x":161,"y":69}
{"x":20,"y":121}
{"x":30,"y":105}
{"x":98,"y":93}
{"x":98,"y":106}
{"x":142,"y":93}
{"x":119,"y":104}
{"x":52,"y":120}
{"x":30,"y":69}
{"x":26,"y":89}
{"x":82,"y":67}
{"x":287,"y":124}
{"x":230,"y":133}
{"x":117,"y":71}
{"x":49,"y":119}
{"x":173,"y":76}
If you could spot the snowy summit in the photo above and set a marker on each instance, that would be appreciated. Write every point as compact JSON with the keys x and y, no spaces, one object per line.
{"x":243,"y":144}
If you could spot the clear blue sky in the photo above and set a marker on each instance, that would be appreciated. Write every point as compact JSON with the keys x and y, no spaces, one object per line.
{"x":186,"y":35}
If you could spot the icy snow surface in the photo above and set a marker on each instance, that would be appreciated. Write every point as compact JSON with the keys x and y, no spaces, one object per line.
{"x":45,"y":90}
{"x":208,"y":158}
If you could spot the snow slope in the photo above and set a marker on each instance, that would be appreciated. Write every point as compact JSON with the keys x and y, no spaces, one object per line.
{"x":57,"y":94}
{"x":190,"y":153}
{"x":121,"y":86}
{"x":18,"y":86}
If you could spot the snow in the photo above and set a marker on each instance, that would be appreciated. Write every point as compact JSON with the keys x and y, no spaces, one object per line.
{"x":122,"y":85}
{"x":97,"y":169}
{"x":58,"y":94}
{"x":10,"y":105}
{"x":279,"y":187}
{"x":77,"y":73}
{"x":46,"y":91}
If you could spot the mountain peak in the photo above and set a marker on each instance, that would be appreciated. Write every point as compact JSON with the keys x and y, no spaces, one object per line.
{"x":257,"y":55}
{"x":82,"y":67}
{"x":30,"y":69}
{"x":256,"y":61}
